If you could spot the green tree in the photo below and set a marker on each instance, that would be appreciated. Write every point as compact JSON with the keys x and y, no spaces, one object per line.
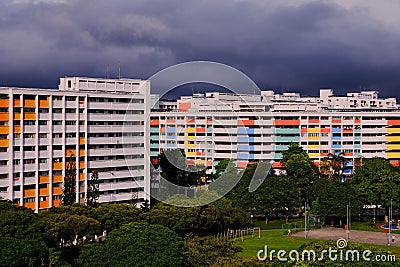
{"x":224,"y":166}
{"x":293,"y":149}
{"x":22,"y":252}
{"x":334,"y":166}
{"x":206,"y":251}
{"x":277,"y":194}
{"x":93,"y":189}
{"x":68,"y":194}
{"x":70,"y":229}
{"x":135,"y":244}
{"x":113,"y":216}
{"x":329,"y":198}
{"x":377,"y":182}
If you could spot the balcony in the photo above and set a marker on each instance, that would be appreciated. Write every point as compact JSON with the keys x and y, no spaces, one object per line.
{"x":287,"y":131}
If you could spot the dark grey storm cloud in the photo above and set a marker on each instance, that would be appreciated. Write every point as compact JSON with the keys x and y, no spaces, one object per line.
{"x":281,"y":46}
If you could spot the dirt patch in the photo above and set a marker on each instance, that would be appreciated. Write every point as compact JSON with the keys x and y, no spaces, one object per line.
{"x":377,"y":238}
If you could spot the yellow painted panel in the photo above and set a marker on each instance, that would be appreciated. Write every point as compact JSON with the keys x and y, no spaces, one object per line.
{"x":190,"y":153}
{"x":4,"y":130}
{"x":393,"y":155}
{"x":30,"y":116}
{"x":4,"y":143}
{"x":190,"y":137}
{"x":313,"y":155}
{"x":200,"y":162}
{"x":190,"y":130}
{"x":313,"y":138}
{"x":313,"y":146}
{"x":393,"y":146}
{"x":393,"y":130}
{"x":29,"y":192}
{"x":190,"y":145}
{"x":313,"y":130}
{"x":393,"y":138}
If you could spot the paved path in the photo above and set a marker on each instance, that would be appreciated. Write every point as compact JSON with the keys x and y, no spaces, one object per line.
{"x":378,"y":238}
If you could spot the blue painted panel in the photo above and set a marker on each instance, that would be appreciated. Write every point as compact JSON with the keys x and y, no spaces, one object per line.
{"x":170,"y":130}
{"x":171,"y":145}
{"x":243,"y":156}
{"x":243,"y":148}
{"x":336,"y":138}
{"x":336,"y":146}
{"x":336,"y":130}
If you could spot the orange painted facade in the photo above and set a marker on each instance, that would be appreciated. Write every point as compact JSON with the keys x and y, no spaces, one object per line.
{"x":4,"y":116}
{"x":286,"y":122}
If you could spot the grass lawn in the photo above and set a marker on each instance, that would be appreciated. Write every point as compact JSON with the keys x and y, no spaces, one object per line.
{"x":364,"y":226}
{"x":275,"y":240}
{"x":277,"y":224}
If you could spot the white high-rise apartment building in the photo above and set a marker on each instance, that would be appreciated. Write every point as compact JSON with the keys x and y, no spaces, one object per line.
{"x":100,"y":123}
{"x":249,"y":128}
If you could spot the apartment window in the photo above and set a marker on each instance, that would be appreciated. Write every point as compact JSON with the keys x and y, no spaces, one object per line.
{"x":17,"y":148}
{"x":29,"y":161}
{"x":42,"y":122}
{"x":43,"y":135}
{"x":29,"y":200}
{"x":70,"y":122}
{"x":57,"y":110}
{"x":57,"y":147}
{"x":29,"y":148}
{"x":42,"y":148}
{"x":57,"y":135}
{"x":56,"y":122}
{"x":70,"y":98}
{"x":29,"y":135}
{"x":42,"y":160}
{"x":57,"y":98}
{"x":29,"y":122}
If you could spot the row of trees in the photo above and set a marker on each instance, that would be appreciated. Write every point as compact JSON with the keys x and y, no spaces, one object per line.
{"x":375,"y":182}
{"x":74,"y":235}
{"x":69,"y":185}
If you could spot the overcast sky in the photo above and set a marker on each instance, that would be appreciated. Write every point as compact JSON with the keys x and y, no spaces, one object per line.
{"x":292,"y":45}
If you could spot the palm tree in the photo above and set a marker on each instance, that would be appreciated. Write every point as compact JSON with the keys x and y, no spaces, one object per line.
{"x":337,"y":165}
